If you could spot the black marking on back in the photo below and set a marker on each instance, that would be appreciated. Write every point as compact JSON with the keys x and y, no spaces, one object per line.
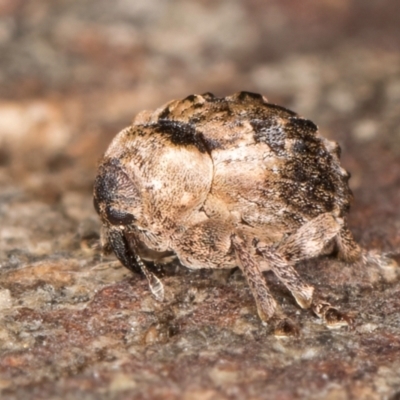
{"x":164,"y":113}
{"x":300,"y":127}
{"x":181,"y":133}
{"x":191,"y":98}
{"x":310,"y":183}
{"x":300,"y":146}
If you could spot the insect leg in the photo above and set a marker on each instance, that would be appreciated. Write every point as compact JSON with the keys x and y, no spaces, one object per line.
{"x":117,"y":240}
{"x":155,"y":285}
{"x":266,"y":304}
{"x":288,"y":276}
{"x":310,"y":239}
{"x":349,"y":250}
{"x":307,"y":242}
{"x":131,"y":260}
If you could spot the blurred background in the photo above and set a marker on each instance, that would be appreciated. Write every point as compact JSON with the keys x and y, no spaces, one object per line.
{"x":74,"y":73}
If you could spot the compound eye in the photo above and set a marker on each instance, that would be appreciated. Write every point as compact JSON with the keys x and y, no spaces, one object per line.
{"x":117,"y":217}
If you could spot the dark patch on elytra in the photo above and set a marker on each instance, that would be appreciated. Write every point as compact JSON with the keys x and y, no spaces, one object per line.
{"x":309,"y":182}
{"x":300,"y":147}
{"x":213,"y":144}
{"x":164,"y":113}
{"x":303,"y":125}
{"x":191,"y":98}
{"x":181,"y":134}
{"x":270,"y":132}
{"x":305,"y":198}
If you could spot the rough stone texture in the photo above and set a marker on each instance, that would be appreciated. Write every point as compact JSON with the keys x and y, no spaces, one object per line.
{"x":73,"y":325}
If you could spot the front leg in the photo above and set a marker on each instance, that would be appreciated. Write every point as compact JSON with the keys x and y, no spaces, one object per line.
{"x":116,"y":240}
{"x":131,"y":260}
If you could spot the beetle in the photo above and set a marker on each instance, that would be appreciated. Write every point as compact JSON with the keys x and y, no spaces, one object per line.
{"x":226,"y":182}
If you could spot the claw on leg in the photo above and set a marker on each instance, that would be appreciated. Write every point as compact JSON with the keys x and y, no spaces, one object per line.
{"x":388,"y":268}
{"x":286,"y":328}
{"x":266,"y":304}
{"x":332,"y":316}
{"x":155,"y":285}
{"x":382,"y":260}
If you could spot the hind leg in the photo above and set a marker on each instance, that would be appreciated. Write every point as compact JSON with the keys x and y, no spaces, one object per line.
{"x":308,"y":241}
{"x":311,"y":239}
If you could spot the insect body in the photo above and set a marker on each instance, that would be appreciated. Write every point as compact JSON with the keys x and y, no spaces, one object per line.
{"x":225,"y":182}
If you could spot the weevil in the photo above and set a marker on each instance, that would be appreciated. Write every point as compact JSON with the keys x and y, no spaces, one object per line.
{"x":226,"y":182}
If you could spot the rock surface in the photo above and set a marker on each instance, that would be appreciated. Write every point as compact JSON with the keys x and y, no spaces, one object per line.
{"x":75,"y":325}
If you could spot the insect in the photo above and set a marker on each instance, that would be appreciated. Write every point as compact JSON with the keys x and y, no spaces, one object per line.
{"x":226,"y":182}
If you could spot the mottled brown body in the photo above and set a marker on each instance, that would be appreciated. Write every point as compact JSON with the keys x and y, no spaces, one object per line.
{"x":225,"y":182}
